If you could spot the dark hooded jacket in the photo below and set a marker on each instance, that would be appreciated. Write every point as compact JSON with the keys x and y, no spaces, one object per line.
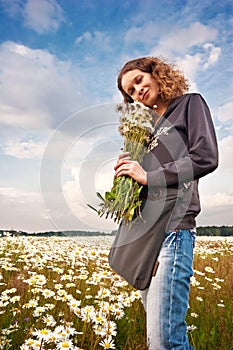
{"x":184,"y":149}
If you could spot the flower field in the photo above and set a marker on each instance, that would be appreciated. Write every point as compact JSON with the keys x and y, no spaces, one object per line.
{"x":58,"y":293}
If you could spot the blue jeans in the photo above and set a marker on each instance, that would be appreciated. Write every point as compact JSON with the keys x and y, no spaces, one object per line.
{"x":166,"y":299}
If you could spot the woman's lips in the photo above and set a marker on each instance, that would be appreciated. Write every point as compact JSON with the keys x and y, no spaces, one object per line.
{"x":145,"y":95}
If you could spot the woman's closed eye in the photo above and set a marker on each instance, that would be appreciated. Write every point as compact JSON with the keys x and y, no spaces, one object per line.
{"x":131,"y":91}
{"x":138,"y":80}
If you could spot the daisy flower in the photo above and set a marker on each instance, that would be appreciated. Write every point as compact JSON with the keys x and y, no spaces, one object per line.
{"x":107,"y":343}
{"x":67,"y":344}
{"x":42,"y":334}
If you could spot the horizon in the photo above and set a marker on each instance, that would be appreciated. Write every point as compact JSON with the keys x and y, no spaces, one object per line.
{"x":59,"y":63}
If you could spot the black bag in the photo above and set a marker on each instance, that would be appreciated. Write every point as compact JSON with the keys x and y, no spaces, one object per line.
{"x":136,"y":247}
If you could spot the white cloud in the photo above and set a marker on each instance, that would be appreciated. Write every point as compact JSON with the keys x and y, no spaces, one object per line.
{"x":117,"y":97}
{"x":190,"y":64}
{"x":43,"y":15}
{"x":220,"y":181}
{"x":40,"y":15}
{"x":214,"y":54}
{"x":216,"y":200}
{"x":194,"y":64}
{"x":84,"y":36}
{"x":226,"y":151}
{"x":21,"y":195}
{"x":76,"y":165}
{"x":216,"y":216}
{"x":78,"y":195}
{"x":181,"y":39}
{"x":22,"y":210}
{"x":37,"y":89}
{"x":12,"y":7}
{"x":17,"y":117}
{"x":142,"y":34}
{"x":225,"y":112}
{"x":98,"y":40}
{"x":27,"y":149}
{"x":216,"y":189}
{"x":216,"y":209}
{"x":168,"y":40}
{"x":190,"y":48}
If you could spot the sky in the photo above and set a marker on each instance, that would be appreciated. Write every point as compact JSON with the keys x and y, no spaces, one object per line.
{"x":59,"y":61}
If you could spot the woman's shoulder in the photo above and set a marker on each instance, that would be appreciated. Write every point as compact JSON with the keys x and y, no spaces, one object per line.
{"x":195,"y":99}
{"x":183,"y":102}
{"x":191,"y":97}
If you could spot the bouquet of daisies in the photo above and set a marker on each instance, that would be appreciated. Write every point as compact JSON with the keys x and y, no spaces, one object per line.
{"x":123,"y":201}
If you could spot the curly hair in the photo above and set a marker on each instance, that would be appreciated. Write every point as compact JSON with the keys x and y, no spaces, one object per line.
{"x":171,"y":81}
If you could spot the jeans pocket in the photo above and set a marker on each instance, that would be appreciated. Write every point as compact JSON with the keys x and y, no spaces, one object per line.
{"x":170,"y":239}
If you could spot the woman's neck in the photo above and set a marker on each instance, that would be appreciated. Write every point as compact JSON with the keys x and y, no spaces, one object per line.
{"x":160,"y":109}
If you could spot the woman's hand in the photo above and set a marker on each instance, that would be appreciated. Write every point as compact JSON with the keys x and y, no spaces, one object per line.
{"x":126,"y":166}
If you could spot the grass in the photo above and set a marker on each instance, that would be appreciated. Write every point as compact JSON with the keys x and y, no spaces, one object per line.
{"x":55,"y":294}
{"x":211,"y":296}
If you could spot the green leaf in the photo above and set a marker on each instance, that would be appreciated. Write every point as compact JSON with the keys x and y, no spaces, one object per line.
{"x":92,"y":207}
{"x":100,"y":196}
{"x":110,"y":196}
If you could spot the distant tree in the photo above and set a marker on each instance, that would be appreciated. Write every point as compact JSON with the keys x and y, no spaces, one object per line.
{"x":215,"y":231}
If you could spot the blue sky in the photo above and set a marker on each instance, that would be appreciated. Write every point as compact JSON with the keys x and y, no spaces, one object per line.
{"x":59,"y":61}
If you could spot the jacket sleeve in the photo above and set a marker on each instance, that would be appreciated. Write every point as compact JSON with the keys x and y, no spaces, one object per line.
{"x":202,"y":155}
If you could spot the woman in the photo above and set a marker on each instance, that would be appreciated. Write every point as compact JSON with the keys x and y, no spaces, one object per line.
{"x":185,"y":152}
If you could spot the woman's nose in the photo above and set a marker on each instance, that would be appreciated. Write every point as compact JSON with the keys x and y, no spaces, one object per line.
{"x":139,"y":90}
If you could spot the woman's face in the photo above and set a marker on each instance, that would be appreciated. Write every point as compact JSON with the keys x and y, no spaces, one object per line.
{"x":141,"y":86}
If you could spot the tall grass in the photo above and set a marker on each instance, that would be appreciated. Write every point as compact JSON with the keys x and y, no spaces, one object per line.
{"x":211,"y":296}
{"x":56,"y":294}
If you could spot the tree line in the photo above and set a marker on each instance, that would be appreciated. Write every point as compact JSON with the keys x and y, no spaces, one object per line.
{"x":201,"y":231}
{"x":215,"y":231}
